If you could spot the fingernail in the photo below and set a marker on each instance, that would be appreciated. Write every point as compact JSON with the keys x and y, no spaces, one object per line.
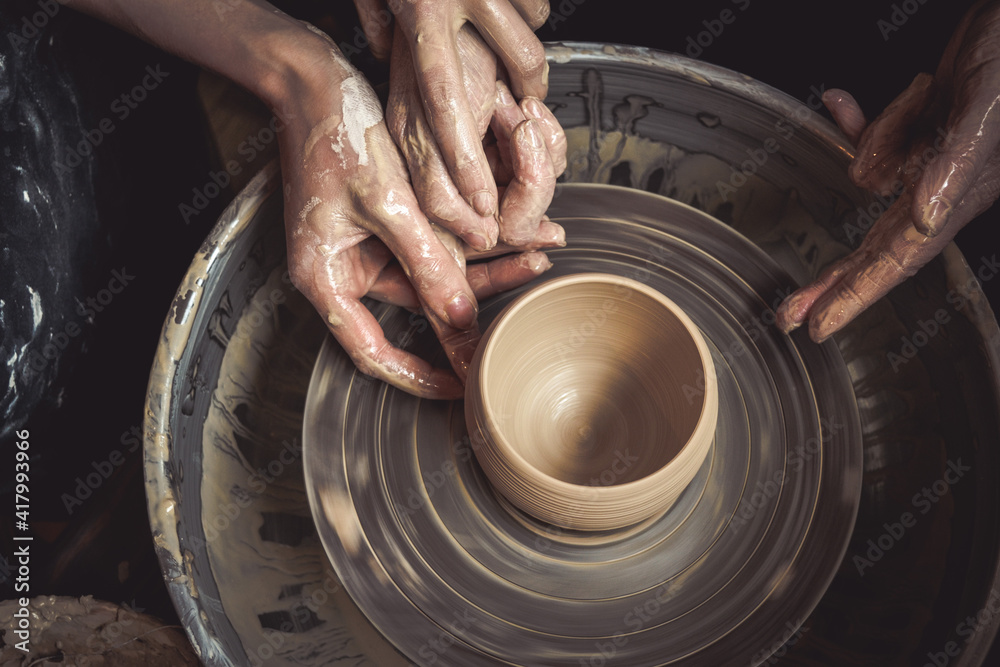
{"x":818,"y":333}
{"x":530,"y":106}
{"x":935,"y":217}
{"x":461,"y":311}
{"x":560,"y":237}
{"x":534,"y":134}
{"x":789,"y":327}
{"x":478,"y":241}
{"x":484,"y":203}
{"x":537,"y":262}
{"x":545,"y":75}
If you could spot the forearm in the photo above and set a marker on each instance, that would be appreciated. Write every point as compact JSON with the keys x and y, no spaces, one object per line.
{"x":271,"y":54}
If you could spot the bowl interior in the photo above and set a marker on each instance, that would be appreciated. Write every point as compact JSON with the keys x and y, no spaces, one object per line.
{"x":592,"y":380}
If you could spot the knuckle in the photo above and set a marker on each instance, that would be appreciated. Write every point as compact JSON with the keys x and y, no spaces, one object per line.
{"x":371,"y":362}
{"x":481,"y":281}
{"x":439,"y":206}
{"x":429,"y":274}
{"x":532,"y":60}
{"x":397,"y":119}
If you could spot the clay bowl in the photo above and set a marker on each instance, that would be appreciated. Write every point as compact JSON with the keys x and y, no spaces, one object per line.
{"x":593,"y":402}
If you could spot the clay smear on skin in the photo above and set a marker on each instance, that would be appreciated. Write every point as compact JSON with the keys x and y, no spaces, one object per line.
{"x":360,"y":110}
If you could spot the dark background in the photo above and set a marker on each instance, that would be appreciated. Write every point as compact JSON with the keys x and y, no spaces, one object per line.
{"x":156,"y":156}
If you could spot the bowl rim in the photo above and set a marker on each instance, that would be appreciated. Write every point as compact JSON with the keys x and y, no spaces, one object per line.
{"x":701,"y":436}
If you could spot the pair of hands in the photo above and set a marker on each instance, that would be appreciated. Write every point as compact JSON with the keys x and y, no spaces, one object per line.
{"x":392,"y":208}
{"x":352,"y":209}
{"x":937,"y":144}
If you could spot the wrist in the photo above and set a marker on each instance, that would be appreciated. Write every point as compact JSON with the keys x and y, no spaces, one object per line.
{"x":300,"y":70}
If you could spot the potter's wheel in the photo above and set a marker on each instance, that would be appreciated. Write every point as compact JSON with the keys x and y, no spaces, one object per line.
{"x":228,"y":507}
{"x":454,"y":576}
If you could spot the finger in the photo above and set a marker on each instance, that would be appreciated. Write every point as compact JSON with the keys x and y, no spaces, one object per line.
{"x":506,"y":116}
{"x":479,"y":73}
{"x":530,"y":191}
{"x":392,"y":287}
{"x":795,"y":309}
{"x":459,"y":344}
{"x":883,"y":146}
{"x":490,"y":277}
{"x":438,"y":196}
{"x":534,"y":12}
{"x":846,"y":112}
{"x":376,"y":21}
{"x":891,"y":252}
{"x":396,"y":219}
{"x":552,"y":131}
{"x":434,"y":264}
{"x":532,"y":184}
{"x":513,"y":40}
{"x":359,"y":333}
{"x":971,"y":140}
{"x":889,"y":257}
{"x":447,"y":109}
{"x":548,"y":235}
{"x":506,"y":273}
{"x":486,"y":278}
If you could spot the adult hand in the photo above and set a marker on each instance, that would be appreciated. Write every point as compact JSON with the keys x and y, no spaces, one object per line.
{"x":431,"y":30}
{"x":526,"y":150}
{"x":936,"y":146}
{"x":350,"y":211}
